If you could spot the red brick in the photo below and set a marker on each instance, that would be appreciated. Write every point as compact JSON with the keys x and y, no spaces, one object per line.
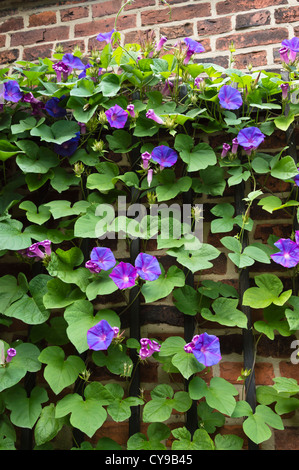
{"x":33,"y":53}
{"x":12,"y":24}
{"x":8,"y":56}
{"x":42,"y":19}
{"x":27,"y":37}
{"x":2,"y":40}
{"x":287,"y":15}
{"x":104,"y":25}
{"x":59,"y":33}
{"x":233,"y":6}
{"x":68,"y":46}
{"x":263,"y":371}
{"x":252,"y":38}
{"x":263,"y":231}
{"x":148,"y":3}
{"x":288,"y":439}
{"x":175,"y":32}
{"x":287,"y":369}
{"x":256,"y":59}
{"x":253,"y":19}
{"x":106,"y":8}
{"x":214,"y":26}
{"x":186,"y":12}
{"x":74,"y":13}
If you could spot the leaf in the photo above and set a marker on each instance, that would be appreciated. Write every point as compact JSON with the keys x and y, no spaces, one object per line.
{"x":196,"y":157}
{"x":211,"y":181}
{"x":184,"y":362}
{"x":60,"y":294}
{"x":109,"y":85}
{"x":80,"y":318}
{"x":187,"y":300}
{"x":58,"y":133}
{"x":25,"y":410}
{"x":201,"y":440}
{"x":164,"y":285}
{"x":268,"y":291}
{"x":274,"y":317}
{"x":195,"y":260}
{"x":226,"y":313}
{"x":284,"y":169}
{"x":7,"y":150}
{"x":219,"y":395}
{"x":228,"y":442}
{"x":163,"y":400}
{"x":47,"y":426}
{"x":171,"y":187}
{"x":104,"y":179}
{"x":12,"y":237}
{"x":60,"y":373}
{"x":35,"y":215}
{"x":156,"y":432}
{"x":256,"y":425}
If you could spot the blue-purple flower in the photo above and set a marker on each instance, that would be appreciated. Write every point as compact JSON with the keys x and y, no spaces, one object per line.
{"x":117,"y":116}
{"x":150,"y":114}
{"x":73,"y":62}
{"x":148,"y":347}
{"x":107,"y":37}
{"x":12,"y":91}
{"x":124,"y":275}
{"x":100,"y":336}
{"x":193,"y":47}
{"x":250,"y":138}
{"x":288,"y":254}
{"x":53,"y":107}
{"x":164,"y":155}
{"x":289,"y":49}
{"x":69,"y":147}
{"x":206,"y":349}
{"x":230,"y":97}
{"x":147,"y":267}
{"x":103,"y":258}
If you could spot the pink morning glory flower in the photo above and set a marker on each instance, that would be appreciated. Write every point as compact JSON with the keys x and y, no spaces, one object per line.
{"x":117,"y":116}
{"x":149,"y":177}
{"x":100,"y":336}
{"x":161,"y":43}
{"x":148,"y":347}
{"x":168,"y":87}
{"x":103,"y":257}
{"x":164,"y":155}
{"x":62,"y":70}
{"x":39,"y":249}
{"x":12,"y":91}
{"x":284,"y":90}
{"x":150,"y":114}
{"x":146,"y":156}
{"x":93,"y":267}
{"x":107,"y":37}
{"x":225,"y":149}
{"x":206,"y":349}
{"x":124,"y":275}
{"x":131,"y":109}
{"x":230,"y":97}
{"x":284,"y":54}
{"x":11,"y":352}
{"x":288,"y":256}
{"x":235,"y":145}
{"x":147,"y":267}
{"x":250,"y":138}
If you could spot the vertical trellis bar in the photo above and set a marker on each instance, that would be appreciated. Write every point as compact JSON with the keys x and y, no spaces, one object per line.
{"x":248,"y":338}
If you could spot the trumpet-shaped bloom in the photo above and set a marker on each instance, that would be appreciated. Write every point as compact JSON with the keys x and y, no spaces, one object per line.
{"x":39,"y":249}
{"x":73,"y":62}
{"x":117,"y":116}
{"x":12,"y":91}
{"x":103,"y":257}
{"x":146,"y":156}
{"x":62,"y":70}
{"x":250,"y":138}
{"x":100,"y":336}
{"x":69,"y":147}
{"x":164,"y":155}
{"x":206,"y":349}
{"x":124,"y":275}
{"x":161,"y":43}
{"x":292,"y":44}
{"x":147,"y":267}
{"x":288,"y":256}
{"x":150,"y":114}
{"x":193,"y":47}
{"x":284,"y":90}
{"x":54,"y":109}
{"x":11,"y":352}
{"x":148,"y":347}
{"x":149,"y":176}
{"x":93,"y":267}
{"x":230,"y":97}
{"x":225,"y":149}
{"x":107,"y":37}
{"x":131,"y":109}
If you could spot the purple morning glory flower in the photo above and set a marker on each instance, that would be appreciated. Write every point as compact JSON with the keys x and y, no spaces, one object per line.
{"x":36,"y":105}
{"x":146,"y":156}
{"x":124,"y":275}
{"x":106,"y":36}
{"x":289,"y":50}
{"x":11,"y":352}
{"x":69,"y":147}
{"x":12,"y":91}
{"x":164,"y":155}
{"x":284,"y":90}
{"x":62,"y":70}
{"x":147,"y":267}
{"x":230,"y":97}
{"x":131,"y":109}
{"x":148,"y":347}
{"x":93,"y":267}
{"x":103,"y":257}
{"x":161,"y":43}
{"x":39,"y":249}
{"x":100,"y":336}
{"x":288,"y":256}
{"x":296,"y":179}
{"x":206,"y":349}
{"x":73,"y":62}
{"x":284,"y":54}
{"x":193,"y":47}
{"x":292,"y":44}
{"x":250,"y":138}
{"x":225,"y":149}
{"x":117,"y":116}
{"x":54,"y":109}
{"x":83,"y":73}
{"x":150,"y":114}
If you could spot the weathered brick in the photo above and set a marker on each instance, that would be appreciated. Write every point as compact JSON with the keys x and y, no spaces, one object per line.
{"x":74,"y":13}
{"x":174,"y":32}
{"x":264,"y":372}
{"x":213,"y":26}
{"x":252,"y":38}
{"x":33,"y":53}
{"x":2,"y":40}
{"x":288,"y":439}
{"x":233,"y":6}
{"x":106,"y":8}
{"x":287,"y":369}
{"x":248,"y":20}
{"x":8,"y":56}
{"x":27,"y":37}
{"x":12,"y":24}
{"x":256,"y":59}
{"x":186,"y":12}
{"x":42,"y":19}
{"x":104,"y":25}
{"x":287,"y":15}
{"x":59,"y":33}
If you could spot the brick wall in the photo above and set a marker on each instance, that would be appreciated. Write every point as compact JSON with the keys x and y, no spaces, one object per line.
{"x":29,"y":30}
{"x":257,"y":28}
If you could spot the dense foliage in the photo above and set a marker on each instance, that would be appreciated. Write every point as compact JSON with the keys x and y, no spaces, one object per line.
{"x":76,"y":134}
